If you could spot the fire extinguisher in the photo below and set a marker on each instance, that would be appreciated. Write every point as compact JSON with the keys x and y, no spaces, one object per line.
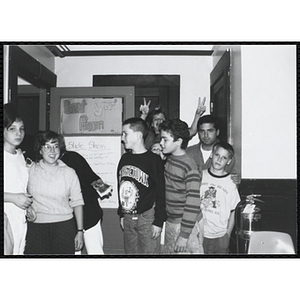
{"x":248,"y":219}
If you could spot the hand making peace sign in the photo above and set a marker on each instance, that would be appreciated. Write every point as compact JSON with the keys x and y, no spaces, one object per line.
{"x":201,"y":108}
{"x":144,"y":108}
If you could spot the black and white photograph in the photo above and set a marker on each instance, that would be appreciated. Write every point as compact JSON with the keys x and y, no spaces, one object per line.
{"x":150,"y":149}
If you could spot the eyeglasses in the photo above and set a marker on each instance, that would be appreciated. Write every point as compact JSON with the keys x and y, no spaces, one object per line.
{"x":49,"y":148}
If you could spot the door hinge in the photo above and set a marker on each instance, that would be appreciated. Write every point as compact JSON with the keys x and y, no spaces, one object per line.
{"x":229,"y":72}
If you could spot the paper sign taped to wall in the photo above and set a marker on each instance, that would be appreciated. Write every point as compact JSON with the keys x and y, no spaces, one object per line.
{"x":103,"y":155}
{"x":89,"y":116}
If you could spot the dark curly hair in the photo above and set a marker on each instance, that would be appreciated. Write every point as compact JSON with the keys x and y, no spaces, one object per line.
{"x":42,"y":137}
{"x":177,"y":129}
{"x":208,"y":119}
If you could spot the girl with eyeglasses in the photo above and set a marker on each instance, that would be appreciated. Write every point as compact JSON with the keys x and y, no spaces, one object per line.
{"x":57,"y":200}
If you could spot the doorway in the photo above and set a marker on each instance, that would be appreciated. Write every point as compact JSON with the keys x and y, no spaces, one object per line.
{"x":162,"y":90}
{"x":220,"y":95}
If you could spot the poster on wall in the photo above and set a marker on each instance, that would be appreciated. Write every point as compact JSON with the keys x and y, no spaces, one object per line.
{"x":88,"y":116}
{"x":103,"y":155}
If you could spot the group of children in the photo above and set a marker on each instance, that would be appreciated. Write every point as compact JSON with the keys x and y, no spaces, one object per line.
{"x":190,"y":190}
{"x":172,"y":199}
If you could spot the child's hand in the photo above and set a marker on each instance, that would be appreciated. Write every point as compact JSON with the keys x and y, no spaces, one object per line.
{"x":122,"y":223}
{"x":78,"y":241}
{"x":201,"y":108}
{"x":144,"y":108}
{"x":156,"y":148}
{"x":30,"y":214}
{"x":180,"y":245}
{"x":236,"y":178}
{"x":103,"y":189}
{"x":156,"y":231}
{"x":22,"y":200}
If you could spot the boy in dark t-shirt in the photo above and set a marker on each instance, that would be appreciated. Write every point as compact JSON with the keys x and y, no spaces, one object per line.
{"x":141,"y":189}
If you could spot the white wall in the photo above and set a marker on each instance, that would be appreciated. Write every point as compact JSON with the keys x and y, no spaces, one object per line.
{"x":265,"y":98}
{"x":193,"y":70}
{"x":269,"y":111}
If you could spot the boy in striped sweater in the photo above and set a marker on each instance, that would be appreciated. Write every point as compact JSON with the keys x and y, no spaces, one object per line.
{"x":182,"y":180}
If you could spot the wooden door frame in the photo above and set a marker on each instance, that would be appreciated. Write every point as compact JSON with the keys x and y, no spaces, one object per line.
{"x":222,"y":71}
{"x":21,"y":64}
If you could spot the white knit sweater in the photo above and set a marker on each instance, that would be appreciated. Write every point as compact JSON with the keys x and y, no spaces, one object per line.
{"x":55,"y":190}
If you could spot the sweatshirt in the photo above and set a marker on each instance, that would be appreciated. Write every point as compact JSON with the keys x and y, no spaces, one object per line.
{"x":141,"y":185}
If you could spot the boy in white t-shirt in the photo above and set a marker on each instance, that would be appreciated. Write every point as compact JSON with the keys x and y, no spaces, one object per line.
{"x":219,"y":197}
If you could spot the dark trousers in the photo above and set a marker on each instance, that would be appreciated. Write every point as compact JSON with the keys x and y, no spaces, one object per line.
{"x":51,"y":238}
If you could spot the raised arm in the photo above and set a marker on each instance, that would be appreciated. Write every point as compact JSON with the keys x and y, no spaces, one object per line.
{"x":201,"y":108}
{"x":144,"y":109}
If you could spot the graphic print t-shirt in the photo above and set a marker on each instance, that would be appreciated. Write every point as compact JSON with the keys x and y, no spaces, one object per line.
{"x":219,"y":196}
{"x":141,"y":185}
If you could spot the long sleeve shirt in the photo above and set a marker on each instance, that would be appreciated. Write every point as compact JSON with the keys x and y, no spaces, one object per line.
{"x":141,"y":185}
{"x":55,"y":190}
{"x":182,"y":192}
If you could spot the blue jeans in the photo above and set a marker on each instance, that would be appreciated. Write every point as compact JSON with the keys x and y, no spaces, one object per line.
{"x":216,"y":246}
{"x":138,"y":234}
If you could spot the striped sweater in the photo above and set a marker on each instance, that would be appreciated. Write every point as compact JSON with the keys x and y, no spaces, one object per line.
{"x":182,"y":192}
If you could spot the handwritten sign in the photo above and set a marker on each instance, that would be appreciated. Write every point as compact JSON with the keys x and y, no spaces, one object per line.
{"x":103,"y":155}
{"x":89,"y":116}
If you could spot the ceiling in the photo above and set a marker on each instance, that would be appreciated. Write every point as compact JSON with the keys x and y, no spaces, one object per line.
{"x":110,"y":49}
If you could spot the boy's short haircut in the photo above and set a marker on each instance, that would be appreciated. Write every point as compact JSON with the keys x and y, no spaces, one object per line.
{"x":177,"y":129}
{"x":137,"y":124}
{"x":208,"y":119}
{"x":225,"y":146}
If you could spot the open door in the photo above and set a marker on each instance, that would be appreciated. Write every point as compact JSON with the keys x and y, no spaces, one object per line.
{"x":102,"y":150}
{"x":162,"y":90}
{"x":220,"y":94}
